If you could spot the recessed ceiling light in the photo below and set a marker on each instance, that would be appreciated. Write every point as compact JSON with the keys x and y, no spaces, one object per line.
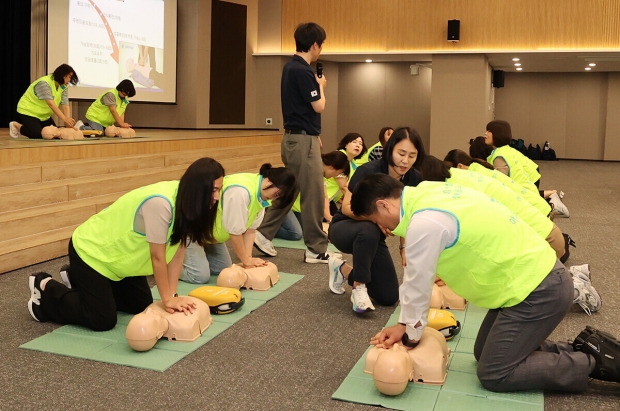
{"x":516,"y":59}
{"x":592,"y":64}
{"x":368,"y":61}
{"x":518,"y":64}
{"x":588,"y":68}
{"x":519,"y":69}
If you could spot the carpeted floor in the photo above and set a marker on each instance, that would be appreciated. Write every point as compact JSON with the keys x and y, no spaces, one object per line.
{"x":294,"y":352}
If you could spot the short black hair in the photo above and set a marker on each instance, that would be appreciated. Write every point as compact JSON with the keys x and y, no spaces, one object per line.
{"x":284,"y":179}
{"x":502,"y":134}
{"x":61,"y":71}
{"x":338,"y":160}
{"x":456,"y":157}
{"x":306,"y":34}
{"x":126,"y":86}
{"x":433,"y":169}
{"x":399,"y":135}
{"x":342,"y":145}
{"x":382,"y":134}
{"x":372,"y":188}
{"x":194,"y":214}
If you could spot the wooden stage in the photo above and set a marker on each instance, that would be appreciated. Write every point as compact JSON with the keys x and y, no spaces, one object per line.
{"x":50,"y":187}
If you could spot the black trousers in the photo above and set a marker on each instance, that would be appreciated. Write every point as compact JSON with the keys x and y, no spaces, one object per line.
{"x":372,"y":262}
{"x":93,"y":300}
{"x":32,"y":126}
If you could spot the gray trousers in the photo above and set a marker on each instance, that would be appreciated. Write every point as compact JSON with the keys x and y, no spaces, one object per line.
{"x":301,"y":154}
{"x":512,"y":349}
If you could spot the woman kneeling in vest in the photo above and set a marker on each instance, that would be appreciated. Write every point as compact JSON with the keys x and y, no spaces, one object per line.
{"x":45,"y":96}
{"x":492,"y":258}
{"x":239,"y":213}
{"x":110,"y":107}
{"x":142,"y":233}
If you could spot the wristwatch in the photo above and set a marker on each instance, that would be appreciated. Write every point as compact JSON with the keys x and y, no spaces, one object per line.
{"x":409,"y":343}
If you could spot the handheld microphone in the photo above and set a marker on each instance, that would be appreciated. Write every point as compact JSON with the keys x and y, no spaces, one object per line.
{"x":319,"y":70}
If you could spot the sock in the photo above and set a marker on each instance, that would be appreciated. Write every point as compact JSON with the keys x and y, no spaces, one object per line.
{"x":43,"y":282}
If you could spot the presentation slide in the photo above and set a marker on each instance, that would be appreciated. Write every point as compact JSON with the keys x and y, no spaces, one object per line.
{"x":107,"y":41}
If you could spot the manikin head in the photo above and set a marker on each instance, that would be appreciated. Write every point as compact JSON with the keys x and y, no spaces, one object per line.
{"x":145,"y":329}
{"x":392,"y":370}
{"x":233,"y":277}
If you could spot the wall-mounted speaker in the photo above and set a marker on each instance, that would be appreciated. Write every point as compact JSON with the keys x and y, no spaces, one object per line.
{"x":498,"y":78}
{"x":454,"y":30}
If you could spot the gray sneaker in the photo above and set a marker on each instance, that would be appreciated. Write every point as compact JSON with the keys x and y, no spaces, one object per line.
{"x":559,"y":209}
{"x":583,"y":269}
{"x":361,"y":300}
{"x":263,"y":245}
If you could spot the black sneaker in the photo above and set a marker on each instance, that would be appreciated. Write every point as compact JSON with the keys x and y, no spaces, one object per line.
{"x":64,"y":275}
{"x":34,"y":304}
{"x":322,"y":258}
{"x":605,"y":349}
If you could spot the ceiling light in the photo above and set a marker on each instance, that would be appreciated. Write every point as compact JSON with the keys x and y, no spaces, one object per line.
{"x":516,"y":59}
{"x":518,"y":64}
{"x":592,"y":64}
{"x":588,"y":68}
{"x":368,"y":61}
{"x":519,"y":69}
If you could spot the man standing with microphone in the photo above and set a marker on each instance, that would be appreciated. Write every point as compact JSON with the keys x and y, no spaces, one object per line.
{"x":303,"y":101}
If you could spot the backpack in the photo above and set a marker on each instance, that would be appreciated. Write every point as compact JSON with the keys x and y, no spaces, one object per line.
{"x":548,"y":153}
{"x":519,"y":145}
{"x":534,"y":153}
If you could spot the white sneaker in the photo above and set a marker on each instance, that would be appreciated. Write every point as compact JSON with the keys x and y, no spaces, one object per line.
{"x":336,"y":279}
{"x":361,"y":300}
{"x":322,"y":258}
{"x":79,"y":124}
{"x":587,"y":297}
{"x":583,"y":268}
{"x":13,"y":131}
{"x":559,"y":209}
{"x":263,"y":245}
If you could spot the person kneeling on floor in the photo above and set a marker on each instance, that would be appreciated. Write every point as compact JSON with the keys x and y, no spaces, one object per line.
{"x":489,"y":256}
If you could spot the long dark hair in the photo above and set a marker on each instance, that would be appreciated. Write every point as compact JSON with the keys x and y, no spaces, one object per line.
{"x":61,"y":71}
{"x":194,"y":215}
{"x":433,"y":169}
{"x":456,"y":157}
{"x":338,"y":160}
{"x":382,"y":134}
{"x":399,"y":135}
{"x":350,"y":137}
{"x":283,"y":178}
{"x":478,"y":148}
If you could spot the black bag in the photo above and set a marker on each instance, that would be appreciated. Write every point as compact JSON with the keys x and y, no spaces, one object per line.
{"x":533,"y":153}
{"x":519,"y":145}
{"x":548,"y":153}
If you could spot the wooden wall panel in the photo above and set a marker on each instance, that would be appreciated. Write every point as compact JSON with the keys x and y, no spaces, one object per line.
{"x":486,"y":25}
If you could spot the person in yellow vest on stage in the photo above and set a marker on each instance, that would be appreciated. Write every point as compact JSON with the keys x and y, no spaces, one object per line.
{"x":45,"y":96}
{"x":240,"y":212}
{"x":491,"y":257}
{"x":110,"y":106}
{"x":142,"y":233}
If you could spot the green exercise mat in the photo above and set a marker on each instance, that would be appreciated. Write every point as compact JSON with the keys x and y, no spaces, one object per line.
{"x":111,"y":346}
{"x":299,"y":244}
{"x":462,"y":390}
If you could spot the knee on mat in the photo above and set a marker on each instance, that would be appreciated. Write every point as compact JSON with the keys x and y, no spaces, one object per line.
{"x":495,"y":385}
{"x":386,"y":299}
{"x":105,"y":322}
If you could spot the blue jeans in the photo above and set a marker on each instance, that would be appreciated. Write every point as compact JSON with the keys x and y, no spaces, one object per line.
{"x":91,"y":125}
{"x":290,"y":228}
{"x":201,"y":263}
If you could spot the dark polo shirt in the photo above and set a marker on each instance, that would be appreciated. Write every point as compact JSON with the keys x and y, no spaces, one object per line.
{"x":299,"y":89}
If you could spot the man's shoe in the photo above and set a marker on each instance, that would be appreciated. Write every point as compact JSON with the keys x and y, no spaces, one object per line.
{"x":361,"y":300}
{"x":13,"y":131}
{"x":263,"y":245}
{"x":559,"y":209}
{"x":34,"y":304}
{"x":64,"y":275}
{"x":336,"y":279}
{"x":587,"y":297}
{"x":322,"y":258}
{"x":604,"y":348}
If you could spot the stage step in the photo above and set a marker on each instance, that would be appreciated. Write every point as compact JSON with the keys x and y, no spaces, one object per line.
{"x":43,"y":203}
